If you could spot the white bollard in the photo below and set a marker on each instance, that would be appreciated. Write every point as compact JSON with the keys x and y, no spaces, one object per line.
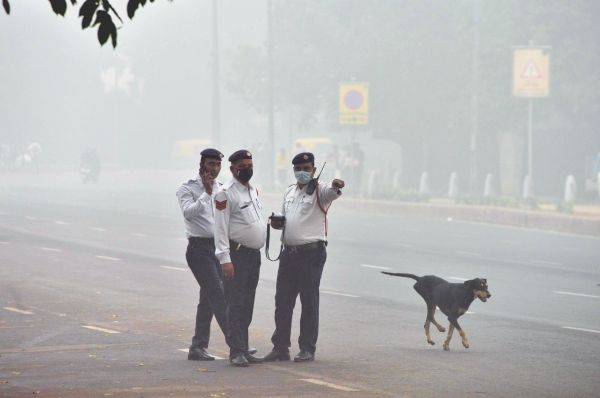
{"x":453,"y":186}
{"x":488,"y":190}
{"x":424,"y":185}
{"x":570,"y":189}
{"x":527,"y":189}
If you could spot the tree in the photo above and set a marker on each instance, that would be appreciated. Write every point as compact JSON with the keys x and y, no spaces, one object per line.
{"x":102,"y":9}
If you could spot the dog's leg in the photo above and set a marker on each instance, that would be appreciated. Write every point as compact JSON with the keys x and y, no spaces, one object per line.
{"x":427,"y":322}
{"x":449,"y":337}
{"x":439,"y":327}
{"x":463,"y":336}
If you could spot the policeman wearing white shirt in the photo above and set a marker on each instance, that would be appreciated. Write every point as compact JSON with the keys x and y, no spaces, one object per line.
{"x":302,"y":260}
{"x":240,"y":232}
{"x":196,"y":202}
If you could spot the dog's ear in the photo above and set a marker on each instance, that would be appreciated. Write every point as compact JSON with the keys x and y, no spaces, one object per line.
{"x":467,"y":283}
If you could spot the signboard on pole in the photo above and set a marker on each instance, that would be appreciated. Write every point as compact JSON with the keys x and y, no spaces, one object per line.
{"x":354,"y":103}
{"x":531,"y":72}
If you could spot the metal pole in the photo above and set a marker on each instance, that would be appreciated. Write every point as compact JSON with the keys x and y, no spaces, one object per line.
{"x":216,"y":95}
{"x":271,"y":110}
{"x":474,"y":100}
{"x":530,"y":148}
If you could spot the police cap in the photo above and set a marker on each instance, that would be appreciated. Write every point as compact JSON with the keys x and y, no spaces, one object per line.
{"x":211,"y":153}
{"x":303,"y":157}
{"x":239,"y":155}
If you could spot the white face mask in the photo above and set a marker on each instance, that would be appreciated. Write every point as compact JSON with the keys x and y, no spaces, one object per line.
{"x":303,"y":177}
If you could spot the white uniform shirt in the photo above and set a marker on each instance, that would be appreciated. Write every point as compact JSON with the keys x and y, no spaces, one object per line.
{"x":304,"y":220}
{"x":238,"y":216}
{"x":197,"y":208}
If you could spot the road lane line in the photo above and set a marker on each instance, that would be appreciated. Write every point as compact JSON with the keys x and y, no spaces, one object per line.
{"x":375,"y":267}
{"x":581,"y":329}
{"x":4,"y":243}
{"x":61,"y":222}
{"x":456,"y":278}
{"x":472,"y":254}
{"x":338,"y":294}
{"x":543,"y":262}
{"x":109,"y":331}
{"x":173,"y":268}
{"x":13,"y":309}
{"x":139,"y":235}
{"x":50,"y":249}
{"x":186,"y":350}
{"x":108,"y":258}
{"x":31,"y":218}
{"x":98,"y":229}
{"x":330,"y":385}
{"x":575,"y":294}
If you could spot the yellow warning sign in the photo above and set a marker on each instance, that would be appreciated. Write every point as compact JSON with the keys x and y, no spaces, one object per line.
{"x":531,"y":72}
{"x":354,"y":103}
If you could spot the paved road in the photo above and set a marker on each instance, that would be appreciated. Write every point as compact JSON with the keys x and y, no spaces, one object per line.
{"x":96,"y":300}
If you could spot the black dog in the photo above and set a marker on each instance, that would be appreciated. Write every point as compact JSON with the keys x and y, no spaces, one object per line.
{"x":453,"y":299}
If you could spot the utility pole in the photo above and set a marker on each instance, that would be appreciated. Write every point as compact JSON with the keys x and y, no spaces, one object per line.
{"x":216,"y":94}
{"x":474,"y":100}
{"x":271,"y":105}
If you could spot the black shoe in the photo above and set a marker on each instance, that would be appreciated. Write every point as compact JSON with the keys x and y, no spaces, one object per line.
{"x":251,"y":351}
{"x":238,"y":360}
{"x":199,"y":354}
{"x":304,"y":356}
{"x":252,"y":359}
{"x":277,"y":355}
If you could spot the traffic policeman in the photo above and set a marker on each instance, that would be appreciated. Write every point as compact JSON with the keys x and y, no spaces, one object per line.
{"x":196,"y":201}
{"x":302,"y":260}
{"x":240,"y":232}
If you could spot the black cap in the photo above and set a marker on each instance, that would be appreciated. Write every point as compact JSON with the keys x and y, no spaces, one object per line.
{"x":239,"y":155}
{"x":211,"y":153}
{"x":304,"y":157}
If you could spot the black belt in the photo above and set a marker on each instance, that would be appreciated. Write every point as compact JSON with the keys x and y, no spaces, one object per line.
{"x":198,"y":241}
{"x":305,"y":247}
{"x":238,"y":247}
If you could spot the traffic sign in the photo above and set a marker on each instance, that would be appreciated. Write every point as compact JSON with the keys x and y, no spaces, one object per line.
{"x":354,"y":103}
{"x":531,"y":72}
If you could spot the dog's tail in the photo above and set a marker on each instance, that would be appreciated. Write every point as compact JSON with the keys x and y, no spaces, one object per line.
{"x":403,"y":275}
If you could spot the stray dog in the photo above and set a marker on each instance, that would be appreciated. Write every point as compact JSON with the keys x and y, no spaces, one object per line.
{"x":453,"y":299}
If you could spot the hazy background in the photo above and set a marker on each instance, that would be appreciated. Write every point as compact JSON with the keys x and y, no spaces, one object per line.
{"x":438,"y":72}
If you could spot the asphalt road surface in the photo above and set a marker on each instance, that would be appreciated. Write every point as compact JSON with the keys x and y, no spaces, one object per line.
{"x":96,"y":300}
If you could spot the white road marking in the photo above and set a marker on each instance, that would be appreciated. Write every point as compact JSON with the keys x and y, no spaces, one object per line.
{"x":464,"y":253}
{"x":173,"y":268}
{"x":4,"y":243}
{"x":186,"y":350}
{"x":469,"y":312}
{"x":337,"y":293}
{"x":31,"y":218}
{"x":404,"y":245}
{"x":375,"y":267}
{"x":109,"y":331}
{"x":51,"y":249}
{"x":13,"y":309}
{"x":108,"y":258}
{"x":98,"y":229}
{"x":575,"y":294}
{"x":139,"y":235}
{"x":330,"y":385}
{"x":544,"y":262}
{"x":61,"y":222}
{"x":581,"y":329}
{"x":456,"y":278}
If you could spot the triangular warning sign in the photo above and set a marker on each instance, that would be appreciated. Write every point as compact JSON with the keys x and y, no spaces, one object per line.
{"x":531,"y":71}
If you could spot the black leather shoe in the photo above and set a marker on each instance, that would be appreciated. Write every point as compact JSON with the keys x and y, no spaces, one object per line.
{"x":199,"y":354}
{"x":277,"y":355}
{"x":238,"y":360}
{"x":252,"y":351}
{"x":304,"y":356}
{"x":252,"y":359}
